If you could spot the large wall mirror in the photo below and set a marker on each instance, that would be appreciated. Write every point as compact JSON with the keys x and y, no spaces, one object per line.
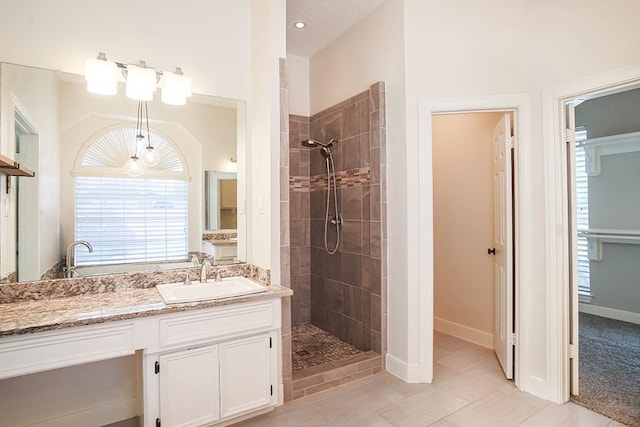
{"x":77,"y":143}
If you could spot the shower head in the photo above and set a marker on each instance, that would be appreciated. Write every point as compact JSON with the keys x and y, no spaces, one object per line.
{"x":312,"y":143}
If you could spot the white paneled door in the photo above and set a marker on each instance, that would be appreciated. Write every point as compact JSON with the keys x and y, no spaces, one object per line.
{"x":503,"y":337}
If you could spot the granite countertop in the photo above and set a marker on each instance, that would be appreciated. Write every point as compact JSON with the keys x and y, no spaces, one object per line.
{"x":28,"y":315}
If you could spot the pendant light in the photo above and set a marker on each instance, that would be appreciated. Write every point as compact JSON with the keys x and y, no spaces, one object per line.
{"x":150,"y":156}
{"x":135,"y":165}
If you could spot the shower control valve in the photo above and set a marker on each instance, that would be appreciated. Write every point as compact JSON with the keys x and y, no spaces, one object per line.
{"x":337,"y":221}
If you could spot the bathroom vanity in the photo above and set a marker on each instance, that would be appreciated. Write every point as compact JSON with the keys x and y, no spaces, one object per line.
{"x":200,"y":363}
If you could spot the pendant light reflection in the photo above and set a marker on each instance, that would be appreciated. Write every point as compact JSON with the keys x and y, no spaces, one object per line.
{"x":137,"y":165}
{"x":150,"y":156}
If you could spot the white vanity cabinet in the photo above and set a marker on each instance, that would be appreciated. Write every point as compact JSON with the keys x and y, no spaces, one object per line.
{"x":245,"y":375}
{"x":198,"y":367}
{"x":189,"y":387}
{"x":213,"y":365}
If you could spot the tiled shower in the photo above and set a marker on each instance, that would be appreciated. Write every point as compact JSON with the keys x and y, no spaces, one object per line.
{"x":344,"y":293}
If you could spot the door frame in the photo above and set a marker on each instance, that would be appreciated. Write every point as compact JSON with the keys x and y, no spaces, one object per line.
{"x":558,"y":333}
{"x":523,"y":185}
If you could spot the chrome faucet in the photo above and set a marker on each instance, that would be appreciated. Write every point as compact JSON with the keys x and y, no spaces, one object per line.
{"x":71,"y":256}
{"x":203,"y":271}
{"x":187,"y":278}
{"x":218,"y":276}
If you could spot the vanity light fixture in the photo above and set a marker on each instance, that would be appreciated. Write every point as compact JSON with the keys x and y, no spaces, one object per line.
{"x":141,"y":81}
{"x":101,"y":75}
{"x":176,"y":87}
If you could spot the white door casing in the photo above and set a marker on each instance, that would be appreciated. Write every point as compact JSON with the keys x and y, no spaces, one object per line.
{"x":28,"y":256}
{"x":573,"y":242}
{"x":503,"y":265}
{"x":557,"y":313}
{"x":525,"y":273}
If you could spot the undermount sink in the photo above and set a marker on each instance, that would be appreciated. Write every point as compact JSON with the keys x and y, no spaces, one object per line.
{"x":174,"y":293}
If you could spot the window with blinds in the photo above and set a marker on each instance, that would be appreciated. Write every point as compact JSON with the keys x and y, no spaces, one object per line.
{"x":582,"y":214}
{"x":131,"y":220}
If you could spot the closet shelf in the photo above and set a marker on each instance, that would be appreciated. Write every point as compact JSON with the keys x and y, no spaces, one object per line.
{"x":13,"y":168}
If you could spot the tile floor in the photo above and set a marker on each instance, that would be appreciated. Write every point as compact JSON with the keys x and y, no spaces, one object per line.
{"x":469,"y":389}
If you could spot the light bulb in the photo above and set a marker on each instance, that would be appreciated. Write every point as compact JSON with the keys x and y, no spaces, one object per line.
{"x":141,"y":83}
{"x":176,"y":87}
{"x":150,"y":156}
{"x":134,"y":166}
{"x":137,"y":145}
{"x":101,"y":75}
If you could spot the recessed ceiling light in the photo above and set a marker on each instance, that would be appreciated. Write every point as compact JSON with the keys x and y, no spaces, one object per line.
{"x":299,"y":25}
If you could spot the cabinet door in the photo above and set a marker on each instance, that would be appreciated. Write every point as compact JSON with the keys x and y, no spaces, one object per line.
{"x":245,"y":374}
{"x":189,"y":387}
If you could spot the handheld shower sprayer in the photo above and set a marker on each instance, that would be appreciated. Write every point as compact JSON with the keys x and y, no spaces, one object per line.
{"x":325,"y":150}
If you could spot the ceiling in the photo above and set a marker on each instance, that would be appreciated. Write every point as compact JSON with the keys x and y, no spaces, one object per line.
{"x":325,"y":19}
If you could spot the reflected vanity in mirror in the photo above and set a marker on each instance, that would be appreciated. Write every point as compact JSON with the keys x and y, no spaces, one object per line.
{"x":77,"y":143}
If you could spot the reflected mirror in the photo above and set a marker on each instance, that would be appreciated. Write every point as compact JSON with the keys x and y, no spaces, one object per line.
{"x":78,"y":143}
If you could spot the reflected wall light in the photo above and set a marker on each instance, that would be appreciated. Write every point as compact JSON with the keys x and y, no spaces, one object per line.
{"x":141,"y":80}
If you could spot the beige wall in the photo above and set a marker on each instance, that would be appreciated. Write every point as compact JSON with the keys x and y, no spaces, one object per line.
{"x":463,"y":220}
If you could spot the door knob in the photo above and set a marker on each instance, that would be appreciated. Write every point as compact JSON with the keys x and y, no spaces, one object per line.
{"x":491,"y":251}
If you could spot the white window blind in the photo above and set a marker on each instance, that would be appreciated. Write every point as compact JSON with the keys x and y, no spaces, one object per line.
{"x":131,"y":220}
{"x":582,"y":214}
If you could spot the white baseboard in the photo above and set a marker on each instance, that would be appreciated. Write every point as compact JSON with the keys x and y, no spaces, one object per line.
{"x":463,"y":332}
{"x":99,"y":415}
{"x":408,"y":372}
{"x":611,"y":313}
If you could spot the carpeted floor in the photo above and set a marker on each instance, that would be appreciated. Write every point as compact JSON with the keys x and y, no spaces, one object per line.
{"x":610,"y":368}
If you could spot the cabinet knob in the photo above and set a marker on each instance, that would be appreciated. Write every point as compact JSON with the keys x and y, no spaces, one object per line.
{"x":491,"y":251}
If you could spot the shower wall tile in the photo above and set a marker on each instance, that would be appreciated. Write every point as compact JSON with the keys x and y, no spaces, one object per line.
{"x":375,"y":312}
{"x":284,"y":183}
{"x":299,"y":233}
{"x":294,"y":161}
{"x":349,"y":121}
{"x":318,"y":292}
{"x":285,"y":261}
{"x":365,"y":149}
{"x":363,"y":115}
{"x":334,"y":296}
{"x":351,"y":151}
{"x":352,"y":269}
{"x":294,"y":133}
{"x":375,"y":170}
{"x":303,"y":162}
{"x":333,"y":266}
{"x":317,"y":261}
{"x":352,"y":236}
{"x":352,"y":302}
{"x":366,"y":309}
{"x":352,"y":201}
{"x":375,"y":239}
{"x":375,"y":202}
{"x":375,"y":279}
{"x":295,"y":259}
